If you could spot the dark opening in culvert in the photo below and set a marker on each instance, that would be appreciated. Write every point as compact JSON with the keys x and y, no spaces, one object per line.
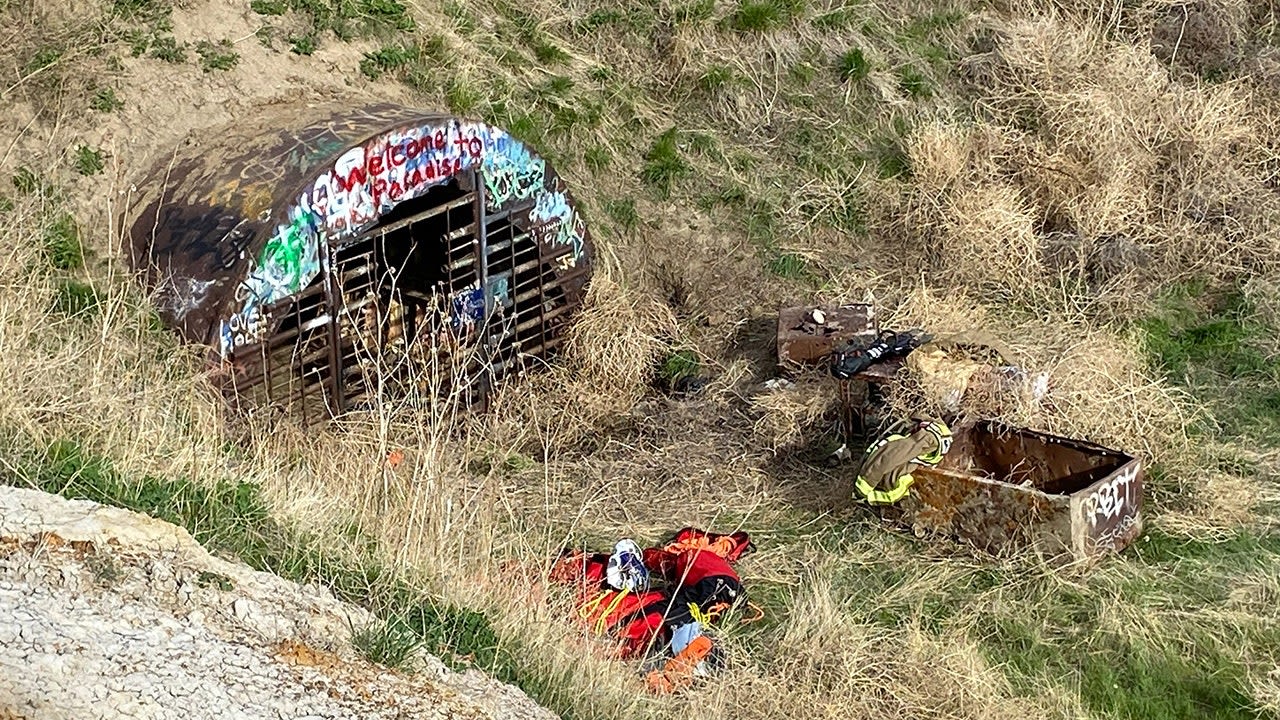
{"x":327,"y":254}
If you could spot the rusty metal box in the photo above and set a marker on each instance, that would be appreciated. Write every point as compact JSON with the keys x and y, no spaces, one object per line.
{"x":804,"y":342}
{"x":1002,"y":488}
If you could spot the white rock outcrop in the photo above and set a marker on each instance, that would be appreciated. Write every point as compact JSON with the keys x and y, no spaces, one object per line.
{"x":106,"y":613}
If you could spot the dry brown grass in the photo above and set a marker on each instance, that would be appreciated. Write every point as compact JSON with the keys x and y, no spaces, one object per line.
{"x":1090,"y":174}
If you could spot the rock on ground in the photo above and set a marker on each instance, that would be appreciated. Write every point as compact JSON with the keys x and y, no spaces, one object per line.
{"x":105,"y":613}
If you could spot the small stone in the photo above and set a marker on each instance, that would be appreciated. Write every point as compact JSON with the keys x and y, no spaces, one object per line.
{"x":240,"y":608}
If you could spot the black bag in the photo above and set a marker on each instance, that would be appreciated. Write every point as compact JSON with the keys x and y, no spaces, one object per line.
{"x":851,"y":360}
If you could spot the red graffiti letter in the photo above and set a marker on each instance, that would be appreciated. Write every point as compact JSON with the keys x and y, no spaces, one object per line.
{"x":357,"y":177}
{"x":375,"y":166}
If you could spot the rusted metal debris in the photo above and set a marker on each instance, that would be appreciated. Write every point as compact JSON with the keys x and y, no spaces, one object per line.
{"x":804,"y":341}
{"x":1001,"y":488}
{"x":324,"y":252}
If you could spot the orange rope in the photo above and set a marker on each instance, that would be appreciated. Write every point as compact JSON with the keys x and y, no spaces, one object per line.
{"x":759,"y":614}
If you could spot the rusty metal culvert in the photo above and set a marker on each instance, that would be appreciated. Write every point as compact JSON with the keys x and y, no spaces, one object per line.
{"x":326,"y":254}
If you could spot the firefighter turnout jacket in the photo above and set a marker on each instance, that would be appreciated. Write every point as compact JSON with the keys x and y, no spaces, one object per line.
{"x":885,"y":477}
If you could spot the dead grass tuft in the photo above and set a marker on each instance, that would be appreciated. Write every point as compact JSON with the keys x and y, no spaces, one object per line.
{"x":788,"y":416}
{"x":989,"y":240}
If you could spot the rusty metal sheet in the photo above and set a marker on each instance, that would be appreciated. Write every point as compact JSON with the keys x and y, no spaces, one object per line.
{"x":991,"y":515}
{"x":804,"y":342}
{"x":1001,"y":488}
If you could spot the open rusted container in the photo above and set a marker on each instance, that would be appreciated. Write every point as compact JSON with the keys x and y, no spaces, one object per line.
{"x":1001,"y":489}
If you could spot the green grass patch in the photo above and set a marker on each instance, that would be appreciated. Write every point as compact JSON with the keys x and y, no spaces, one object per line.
{"x":306,"y":45}
{"x":390,"y":642}
{"x":694,"y":13}
{"x":62,"y":245}
{"x":89,"y":161}
{"x":717,"y":78}
{"x":852,"y":65}
{"x":926,"y":26}
{"x":168,"y":49}
{"x":548,"y":53}
{"x":1123,"y":677}
{"x":1213,"y":341}
{"x":26,"y":182}
{"x":623,"y":213}
{"x":679,"y":365}
{"x":269,"y":7}
{"x":758,"y":16}
{"x":43,"y":58}
{"x":599,"y":18}
{"x":915,"y":83}
{"x":890,"y":159}
{"x":803,"y":73}
{"x":759,"y":218}
{"x":1068,"y":635}
{"x":788,"y":265}
{"x":1195,"y":330}
{"x":76,"y":299}
{"x":462,"y":97}
{"x":217,"y":56}
{"x":597,"y":158}
{"x":385,"y":59}
{"x":1243,"y":550}
{"x":664,"y":163}
{"x":346,"y":20}
{"x":462,"y":18}
{"x":105,"y":100}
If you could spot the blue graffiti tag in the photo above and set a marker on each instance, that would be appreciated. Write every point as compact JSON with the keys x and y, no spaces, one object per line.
{"x":511,"y":172}
{"x":560,"y":222}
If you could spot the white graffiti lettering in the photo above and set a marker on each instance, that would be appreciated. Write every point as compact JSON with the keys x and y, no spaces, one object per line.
{"x":560,"y":225}
{"x":186,"y":294}
{"x":242,"y":329}
{"x":1109,"y":500}
{"x":1111,"y":536}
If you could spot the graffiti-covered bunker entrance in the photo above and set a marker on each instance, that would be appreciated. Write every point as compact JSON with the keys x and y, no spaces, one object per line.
{"x":327,"y":254}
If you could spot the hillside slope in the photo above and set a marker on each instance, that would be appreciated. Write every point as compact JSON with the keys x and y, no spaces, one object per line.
{"x":1095,"y":185}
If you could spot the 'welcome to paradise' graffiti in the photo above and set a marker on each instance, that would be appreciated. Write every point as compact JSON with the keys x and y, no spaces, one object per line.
{"x":367,"y":181}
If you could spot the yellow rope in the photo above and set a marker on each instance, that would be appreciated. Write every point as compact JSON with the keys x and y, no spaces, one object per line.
{"x":602,"y":621}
